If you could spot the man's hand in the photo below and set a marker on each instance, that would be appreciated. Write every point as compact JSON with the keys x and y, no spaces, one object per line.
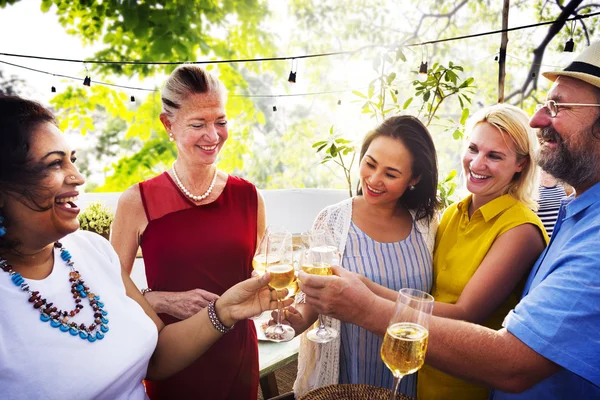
{"x":343,"y":296}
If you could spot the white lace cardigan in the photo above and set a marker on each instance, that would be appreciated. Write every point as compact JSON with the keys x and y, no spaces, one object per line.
{"x":318,"y":364}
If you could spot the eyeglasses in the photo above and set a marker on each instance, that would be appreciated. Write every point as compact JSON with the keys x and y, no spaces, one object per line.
{"x":552,"y":107}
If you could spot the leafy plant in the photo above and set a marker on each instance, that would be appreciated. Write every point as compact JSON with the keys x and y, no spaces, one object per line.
{"x":446,"y":189}
{"x":442,"y":82}
{"x":337,"y":149}
{"x":96,"y":218}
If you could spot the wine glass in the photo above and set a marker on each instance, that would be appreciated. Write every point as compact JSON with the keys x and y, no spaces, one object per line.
{"x":269,"y":248}
{"x":300,"y":243}
{"x":282,"y":275}
{"x":318,"y":259}
{"x":268,"y":251}
{"x":405,"y":341}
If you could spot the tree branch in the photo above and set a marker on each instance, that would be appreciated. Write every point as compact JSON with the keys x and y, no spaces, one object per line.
{"x":502,"y":58}
{"x":538,"y":53}
{"x":447,"y":15}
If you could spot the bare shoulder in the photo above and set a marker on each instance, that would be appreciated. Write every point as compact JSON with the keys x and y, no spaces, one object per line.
{"x":526,"y":231}
{"x":261,"y":216}
{"x":130,"y":205}
{"x":131,"y":196}
{"x":261,"y":200}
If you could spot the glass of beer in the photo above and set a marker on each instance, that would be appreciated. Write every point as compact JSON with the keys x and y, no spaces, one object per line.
{"x":405,"y":341}
{"x":318,"y":259}
{"x":282,"y":275}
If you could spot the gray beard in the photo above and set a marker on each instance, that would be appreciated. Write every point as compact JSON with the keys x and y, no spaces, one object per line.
{"x":579,"y":167}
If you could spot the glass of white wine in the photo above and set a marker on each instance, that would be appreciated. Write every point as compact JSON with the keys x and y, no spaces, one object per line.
{"x":318,"y":259}
{"x":269,"y":249}
{"x":405,"y":341}
{"x":282,"y":275}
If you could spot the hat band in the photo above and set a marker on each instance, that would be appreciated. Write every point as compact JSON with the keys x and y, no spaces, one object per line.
{"x":578,"y":66}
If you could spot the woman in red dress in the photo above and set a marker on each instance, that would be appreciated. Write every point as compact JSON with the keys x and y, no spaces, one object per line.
{"x":198,"y":228}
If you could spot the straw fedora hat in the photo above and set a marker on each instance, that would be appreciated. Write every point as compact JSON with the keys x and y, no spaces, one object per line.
{"x":585,"y":67}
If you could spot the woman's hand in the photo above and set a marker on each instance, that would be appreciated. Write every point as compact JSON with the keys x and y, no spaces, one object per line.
{"x":289,"y":316}
{"x":181,"y":305}
{"x":249,"y":298}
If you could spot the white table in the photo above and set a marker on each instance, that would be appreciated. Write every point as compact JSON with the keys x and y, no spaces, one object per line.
{"x":272,"y":356}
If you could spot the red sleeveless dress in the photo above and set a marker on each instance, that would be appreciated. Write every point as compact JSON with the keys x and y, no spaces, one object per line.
{"x":210,"y":247}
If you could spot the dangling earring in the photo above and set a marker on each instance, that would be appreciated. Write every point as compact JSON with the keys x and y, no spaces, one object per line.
{"x":411,"y":187}
{"x":2,"y":228}
{"x":171,"y":137}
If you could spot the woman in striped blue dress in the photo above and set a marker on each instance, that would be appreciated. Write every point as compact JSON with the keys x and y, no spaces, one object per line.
{"x":385,"y":234}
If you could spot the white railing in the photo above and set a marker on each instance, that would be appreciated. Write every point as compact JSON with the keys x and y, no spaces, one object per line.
{"x":294,"y":209}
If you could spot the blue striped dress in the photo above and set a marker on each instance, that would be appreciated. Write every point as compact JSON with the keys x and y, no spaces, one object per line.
{"x":407,"y":263}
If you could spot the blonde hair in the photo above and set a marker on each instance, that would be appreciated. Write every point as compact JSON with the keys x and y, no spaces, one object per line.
{"x":186,"y":80}
{"x":514,"y":123}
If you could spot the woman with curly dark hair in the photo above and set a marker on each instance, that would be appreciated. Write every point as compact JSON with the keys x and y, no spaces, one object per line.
{"x":71,"y":323}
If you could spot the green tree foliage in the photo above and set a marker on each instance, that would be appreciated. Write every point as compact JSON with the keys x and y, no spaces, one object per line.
{"x":273,"y":149}
{"x":166,"y":31}
{"x":155,"y":156}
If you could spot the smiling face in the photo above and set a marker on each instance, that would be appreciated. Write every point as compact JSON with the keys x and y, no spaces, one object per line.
{"x":569,"y":150}
{"x":199,"y":128}
{"x":55,"y":191}
{"x":490,"y":163}
{"x":385,"y":171}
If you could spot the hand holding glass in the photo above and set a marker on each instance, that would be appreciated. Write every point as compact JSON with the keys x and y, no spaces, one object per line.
{"x":405,"y":341}
{"x":318,"y":259}
{"x":282,"y":275}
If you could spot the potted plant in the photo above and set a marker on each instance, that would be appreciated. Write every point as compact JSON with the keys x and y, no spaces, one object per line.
{"x":96,"y":218}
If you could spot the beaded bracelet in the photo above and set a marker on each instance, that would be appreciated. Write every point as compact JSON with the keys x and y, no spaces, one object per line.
{"x":212,"y":315}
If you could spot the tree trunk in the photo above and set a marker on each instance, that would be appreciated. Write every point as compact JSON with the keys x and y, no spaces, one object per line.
{"x":502,"y":56}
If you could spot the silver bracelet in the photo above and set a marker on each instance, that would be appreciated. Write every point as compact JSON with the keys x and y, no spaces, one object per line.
{"x":145,"y":290}
{"x":216,"y":322}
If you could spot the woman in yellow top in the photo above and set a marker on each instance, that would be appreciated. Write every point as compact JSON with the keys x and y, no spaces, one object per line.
{"x":486,"y":243}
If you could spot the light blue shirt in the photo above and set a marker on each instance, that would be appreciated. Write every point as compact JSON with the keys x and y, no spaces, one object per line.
{"x":559,"y":314}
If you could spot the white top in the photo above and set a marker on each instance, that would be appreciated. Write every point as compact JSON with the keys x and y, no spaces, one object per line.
{"x":38,"y":361}
{"x":319,"y":364}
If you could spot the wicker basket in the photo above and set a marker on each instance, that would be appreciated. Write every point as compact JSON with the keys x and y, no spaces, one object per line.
{"x":351,"y":392}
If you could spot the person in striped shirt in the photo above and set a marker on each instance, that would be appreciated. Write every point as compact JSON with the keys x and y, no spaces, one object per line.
{"x":550,"y":195}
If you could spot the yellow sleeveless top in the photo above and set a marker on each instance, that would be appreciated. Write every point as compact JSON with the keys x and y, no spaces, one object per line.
{"x":461,"y":245}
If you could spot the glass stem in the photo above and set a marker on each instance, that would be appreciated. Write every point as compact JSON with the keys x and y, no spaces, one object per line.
{"x":397,"y":380}
{"x":321,"y":323}
{"x":278,"y":311}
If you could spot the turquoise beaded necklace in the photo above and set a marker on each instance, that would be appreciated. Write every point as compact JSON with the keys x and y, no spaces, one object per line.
{"x":59,"y":318}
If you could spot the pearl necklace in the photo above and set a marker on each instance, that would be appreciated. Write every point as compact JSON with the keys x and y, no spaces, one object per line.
{"x":61,"y":319}
{"x":188,"y":193}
